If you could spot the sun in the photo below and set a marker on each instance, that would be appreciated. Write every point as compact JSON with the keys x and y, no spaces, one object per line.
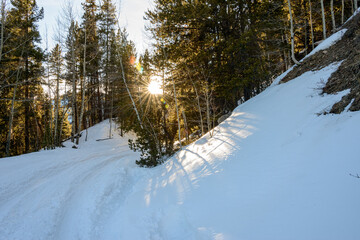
{"x":154,"y":87}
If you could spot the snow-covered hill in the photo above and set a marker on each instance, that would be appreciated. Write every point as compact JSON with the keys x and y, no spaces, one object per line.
{"x":276,"y":169}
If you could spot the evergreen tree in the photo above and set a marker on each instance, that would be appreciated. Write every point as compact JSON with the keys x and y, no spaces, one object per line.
{"x":23,"y":59}
{"x":89,"y":29}
{"x":107,"y":26}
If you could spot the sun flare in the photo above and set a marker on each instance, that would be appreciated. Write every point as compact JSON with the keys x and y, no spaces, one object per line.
{"x":154,"y":87}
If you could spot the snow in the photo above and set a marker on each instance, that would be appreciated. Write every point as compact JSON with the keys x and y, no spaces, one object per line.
{"x":327,"y":42}
{"x":354,"y":14}
{"x":275,"y":169}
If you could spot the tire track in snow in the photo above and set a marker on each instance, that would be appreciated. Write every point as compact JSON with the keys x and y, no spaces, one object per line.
{"x":45,"y":183}
{"x":114,"y":196}
{"x":83,"y":200}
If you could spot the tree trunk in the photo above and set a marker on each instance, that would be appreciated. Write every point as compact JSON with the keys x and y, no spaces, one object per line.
{"x":167,"y":147}
{"x":356,"y":5}
{"x":27,"y":107}
{"x":86,"y":127}
{"x":342,"y":11}
{"x":50,"y":110}
{"x":311,"y":27}
{"x":61,"y":124}
{"x":8,"y":142}
{"x":98,"y":105}
{"x":38,"y":128}
{"x":185,"y":126}
{"x":177,"y":110}
{"x":306,"y":36}
{"x":82,"y":93}
{"x":323,"y":18}
{"x":128,"y":90}
{"x":56,"y":136}
{"x":292,"y":36}
{"x":199,"y":107}
{"x":332,"y":15}
{"x":3,"y":3}
{"x":198,"y":103}
{"x":111,"y":111}
{"x":73,"y":107}
{"x":111,"y":105}
{"x":207,"y":100}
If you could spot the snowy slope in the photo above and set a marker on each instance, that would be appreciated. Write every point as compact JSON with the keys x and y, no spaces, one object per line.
{"x":276,"y":169}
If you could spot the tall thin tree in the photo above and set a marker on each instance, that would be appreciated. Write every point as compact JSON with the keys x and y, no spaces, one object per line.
{"x":323,"y":18}
{"x":311,"y":26}
{"x":292,"y":35}
{"x":332,"y":15}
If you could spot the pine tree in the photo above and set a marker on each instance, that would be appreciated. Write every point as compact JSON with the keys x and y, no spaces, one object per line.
{"x":107,"y":26}
{"x":92,"y":61}
{"x":23,"y":58}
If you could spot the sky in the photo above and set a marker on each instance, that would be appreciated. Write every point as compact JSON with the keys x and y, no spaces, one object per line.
{"x":131,"y":17}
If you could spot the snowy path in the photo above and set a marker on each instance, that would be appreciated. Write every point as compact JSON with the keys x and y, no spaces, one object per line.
{"x":65,"y":193}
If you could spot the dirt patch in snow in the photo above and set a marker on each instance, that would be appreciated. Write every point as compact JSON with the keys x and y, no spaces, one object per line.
{"x":348,"y":74}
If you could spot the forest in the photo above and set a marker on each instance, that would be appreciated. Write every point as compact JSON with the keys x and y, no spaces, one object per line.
{"x":208,"y":56}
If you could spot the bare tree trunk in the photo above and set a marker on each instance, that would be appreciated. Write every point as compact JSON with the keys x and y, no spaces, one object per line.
{"x":37,"y":126}
{"x":3,"y":3}
{"x":27,"y":106}
{"x":356,"y":4}
{"x":342,"y":11}
{"x":73,"y":107}
{"x":8,"y":142}
{"x":199,"y":107}
{"x":128,"y":90}
{"x":164,"y":111}
{"x":61,"y":124}
{"x":111,"y":111}
{"x":323,"y":18}
{"x":306,"y":37}
{"x":285,"y":61}
{"x":177,"y":110}
{"x":198,"y":103}
{"x":207,"y":100}
{"x":86,"y":127}
{"x":185,"y":125}
{"x":56,"y":137}
{"x":7,"y":150}
{"x":110,"y":116}
{"x":332,"y":15}
{"x":154,"y":135}
{"x":292,"y":36}
{"x":82,"y":93}
{"x":283,"y":40}
{"x":311,"y":27}
{"x":49,"y":92}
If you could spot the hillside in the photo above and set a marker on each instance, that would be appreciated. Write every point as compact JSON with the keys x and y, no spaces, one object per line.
{"x":344,"y":47}
{"x":277,"y":168}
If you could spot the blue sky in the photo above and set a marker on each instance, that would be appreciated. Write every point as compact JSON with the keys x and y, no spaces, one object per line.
{"x":131,"y":17}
